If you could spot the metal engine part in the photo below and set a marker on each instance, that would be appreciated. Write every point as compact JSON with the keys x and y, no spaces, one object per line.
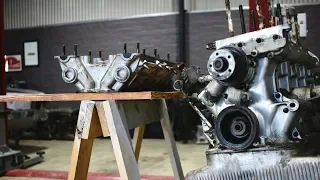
{"x":257,"y":164}
{"x":10,"y":159}
{"x":121,"y":72}
{"x":261,"y":86}
{"x":263,"y":104}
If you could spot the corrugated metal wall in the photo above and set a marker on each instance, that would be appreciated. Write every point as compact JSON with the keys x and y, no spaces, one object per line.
{"x":32,"y":13}
{"x":199,"y":5}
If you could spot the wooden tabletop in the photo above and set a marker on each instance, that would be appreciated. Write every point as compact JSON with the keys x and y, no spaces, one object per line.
{"x":92,"y":96}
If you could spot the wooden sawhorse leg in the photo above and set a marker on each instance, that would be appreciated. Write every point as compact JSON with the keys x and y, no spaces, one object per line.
{"x":169,"y":138}
{"x":88,"y":128}
{"x":137,"y":140}
{"x":127,"y":165}
{"x":170,"y":141}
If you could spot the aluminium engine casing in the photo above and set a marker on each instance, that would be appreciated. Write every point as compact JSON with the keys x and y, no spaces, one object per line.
{"x":121,"y":72}
{"x":259,"y":107}
{"x":274,"y":72}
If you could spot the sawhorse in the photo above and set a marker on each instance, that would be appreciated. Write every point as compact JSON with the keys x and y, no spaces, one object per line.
{"x":114,"y":119}
{"x":113,"y":114}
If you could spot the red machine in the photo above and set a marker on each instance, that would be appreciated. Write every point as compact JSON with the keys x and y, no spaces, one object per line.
{"x":3,"y":120}
{"x":260,"y":10}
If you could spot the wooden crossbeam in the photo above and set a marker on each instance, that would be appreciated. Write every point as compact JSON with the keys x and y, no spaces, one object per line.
{"x":92,"y":96}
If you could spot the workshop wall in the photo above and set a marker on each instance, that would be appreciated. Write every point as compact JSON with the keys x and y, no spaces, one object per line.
{"x":108,"y":36}
{"x":35,"y":13}
{"x":152,"y":32}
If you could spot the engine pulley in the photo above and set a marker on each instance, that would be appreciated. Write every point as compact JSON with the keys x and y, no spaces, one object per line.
{"x":230,"y":66}
{"x":237,"y":127}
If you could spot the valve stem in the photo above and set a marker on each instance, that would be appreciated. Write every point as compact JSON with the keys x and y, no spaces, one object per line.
{"x":138,"y":47}
{"x":64,"y":50}
{"x":75,"y":49}
{"x":155,"y":53}
{"x":125,"y":47}
{"x":100,"y":54}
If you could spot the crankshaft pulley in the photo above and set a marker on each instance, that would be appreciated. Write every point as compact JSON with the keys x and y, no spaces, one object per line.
{"x":237,"y":127}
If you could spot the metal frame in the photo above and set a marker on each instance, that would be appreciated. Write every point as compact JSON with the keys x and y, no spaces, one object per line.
{"x":4,"y":122}
{"x":182,"y":32}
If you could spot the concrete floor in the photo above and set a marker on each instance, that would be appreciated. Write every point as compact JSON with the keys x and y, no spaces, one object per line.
{"x":154,"y":159}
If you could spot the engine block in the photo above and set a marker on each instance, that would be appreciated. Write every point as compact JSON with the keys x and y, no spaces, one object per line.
{"x":259,"y":105}
{"x":259,"y":90}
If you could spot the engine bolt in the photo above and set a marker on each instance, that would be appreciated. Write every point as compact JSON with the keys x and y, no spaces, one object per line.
{"x":244,"y":97}
{"x":258,"y":40}
{"x":285,"y":110}
{"x":225,"y":96}
{"x":263,"y":140}
{"x":270,"y":55}
{"x":254,"y":53}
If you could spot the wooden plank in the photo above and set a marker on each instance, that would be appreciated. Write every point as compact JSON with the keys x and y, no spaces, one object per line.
{"x":88,"y":125}
{"x":95,"y":126}
{"x":170,"y":141}
{"x":137,"y":140}
{"x":92,"y":96}
{"x":80,"y":159}
{"x":167,"y":95}
{"x":103,"y":121}
{"x":122,"y":147}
